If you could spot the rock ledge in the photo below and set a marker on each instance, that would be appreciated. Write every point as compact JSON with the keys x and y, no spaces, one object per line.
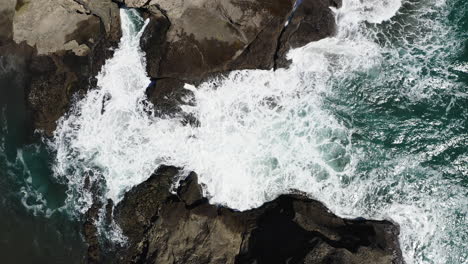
{"x":184,"y":228}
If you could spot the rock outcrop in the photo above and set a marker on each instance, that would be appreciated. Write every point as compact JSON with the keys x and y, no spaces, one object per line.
{"x":185,"y":42}
{"x":184,"y":228}
{"x":63,"y":44}
{"x":190,"y":41}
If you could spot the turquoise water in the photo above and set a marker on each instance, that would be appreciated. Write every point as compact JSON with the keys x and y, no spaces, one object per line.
{"x":408,"y":117}
{"x":410,"y":122}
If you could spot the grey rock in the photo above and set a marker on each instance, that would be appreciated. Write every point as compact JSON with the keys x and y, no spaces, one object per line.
{"x":70,"y":41}
{"x":135,"y":3}
{"x":47,"y":24}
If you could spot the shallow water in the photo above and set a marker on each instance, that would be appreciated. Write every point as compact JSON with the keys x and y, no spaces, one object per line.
{"x":372,"y":122}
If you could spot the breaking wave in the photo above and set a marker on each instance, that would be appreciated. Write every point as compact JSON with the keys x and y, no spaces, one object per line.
{"x":354,"y":122}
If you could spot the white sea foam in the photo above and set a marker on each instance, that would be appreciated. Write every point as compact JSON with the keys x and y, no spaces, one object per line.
{"x":31,"y":198}
{"x":261,"y":134}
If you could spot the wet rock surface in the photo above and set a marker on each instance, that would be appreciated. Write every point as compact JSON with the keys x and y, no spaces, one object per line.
{"x":63,"y":44}
{"x":192,"y":41}
{"x":311,"y":21}
{"x":184,"y":228}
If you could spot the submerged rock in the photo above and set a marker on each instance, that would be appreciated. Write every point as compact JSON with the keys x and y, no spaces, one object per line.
{"x":70,"y":41}
{"x":184,"y":228}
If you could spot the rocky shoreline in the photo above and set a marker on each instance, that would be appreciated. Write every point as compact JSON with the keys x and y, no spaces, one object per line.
{"x":184,"y":228}
{"x":53,"y":49}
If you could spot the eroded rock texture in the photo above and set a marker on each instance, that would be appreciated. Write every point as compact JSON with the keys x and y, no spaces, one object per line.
{"x":190,"y":41}
{"x":185,"y":228}
{"x":60,"y":46}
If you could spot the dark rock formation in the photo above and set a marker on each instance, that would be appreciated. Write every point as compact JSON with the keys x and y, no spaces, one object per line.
{"x":191,"y":41}
{"x":217,"y":36}
{"x":185,"y":228}
{"x":61,"y":45}
{"x":90,"y":231}
{"x":311,"y":21}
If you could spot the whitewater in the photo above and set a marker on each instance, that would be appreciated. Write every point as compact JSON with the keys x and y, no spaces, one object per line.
{"x":265,"y":133}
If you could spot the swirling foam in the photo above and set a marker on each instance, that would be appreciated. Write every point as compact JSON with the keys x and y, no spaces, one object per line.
{"x":263,"y":133}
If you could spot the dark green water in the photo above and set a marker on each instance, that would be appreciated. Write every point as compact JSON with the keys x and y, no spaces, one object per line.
{"x":410,"y":121}
{"x":32,"y":227}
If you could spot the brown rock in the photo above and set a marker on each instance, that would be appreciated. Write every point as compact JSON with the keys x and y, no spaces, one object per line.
{"x":90,"y":231}
{"x":206,"y":37}
{"x":191,"y":41}
{"x":143,"y":214}
{"x":190,"y":192}
{"x":186,"y":41}
{"x":185,"y":228}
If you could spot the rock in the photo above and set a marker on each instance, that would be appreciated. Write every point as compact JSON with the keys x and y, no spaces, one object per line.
{"x":143,"y":213}
{"x":190,"y":192}
{"x":109,"y":14}
{"x":207,"y":36}
{"x":184,"y":228}
{"x":47,"y":25}
{"x":90,"y":231}
{"x":14,"y":83}
{"x":97,"y":220}
{"x":7,"y":11}
{"x":169,"y":93}
{"x":134,"y":3}
{"x":311,"y":21}
{"x":71,"y":41}
{"x":192,"y":41}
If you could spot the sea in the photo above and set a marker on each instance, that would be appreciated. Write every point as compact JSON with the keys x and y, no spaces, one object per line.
{"x":373,"y":122}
